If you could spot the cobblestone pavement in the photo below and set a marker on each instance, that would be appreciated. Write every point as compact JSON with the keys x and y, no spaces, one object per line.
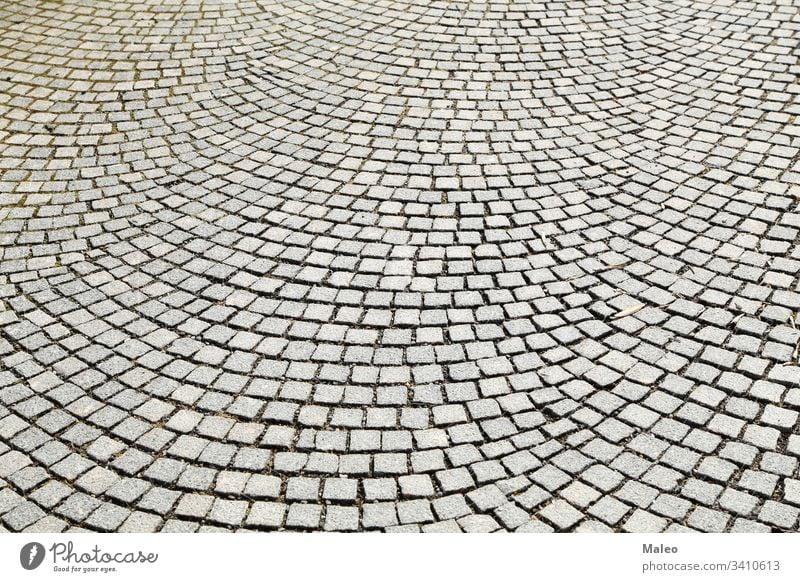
{"x":407,"y":266}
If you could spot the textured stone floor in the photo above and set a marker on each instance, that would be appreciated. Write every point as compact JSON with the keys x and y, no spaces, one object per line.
{"x":408,"y":265}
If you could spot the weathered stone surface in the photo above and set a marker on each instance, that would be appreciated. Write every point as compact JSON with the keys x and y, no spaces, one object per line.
{"x":414,"y":266}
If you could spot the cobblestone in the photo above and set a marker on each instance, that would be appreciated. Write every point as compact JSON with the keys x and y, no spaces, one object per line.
{"x":410,"y":266}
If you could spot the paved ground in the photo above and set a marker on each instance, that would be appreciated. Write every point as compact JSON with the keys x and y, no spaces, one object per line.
{"x":403,"y":266}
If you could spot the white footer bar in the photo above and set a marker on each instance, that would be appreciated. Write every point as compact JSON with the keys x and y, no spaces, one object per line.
{"x":390,"y":558}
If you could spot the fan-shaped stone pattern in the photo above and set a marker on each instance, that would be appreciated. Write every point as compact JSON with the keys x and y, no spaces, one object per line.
{"x":428,"y":266}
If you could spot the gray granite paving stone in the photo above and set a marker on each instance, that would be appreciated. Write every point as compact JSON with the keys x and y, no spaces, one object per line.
{"x":407,"y":267}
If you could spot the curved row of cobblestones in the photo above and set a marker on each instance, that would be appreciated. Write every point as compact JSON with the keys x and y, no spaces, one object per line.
{"x":404,"y":265}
